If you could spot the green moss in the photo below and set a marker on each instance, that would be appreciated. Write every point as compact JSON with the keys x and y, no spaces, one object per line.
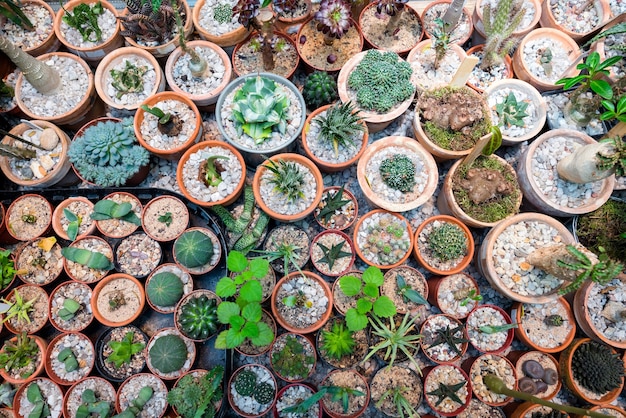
{"x":603,"y":227}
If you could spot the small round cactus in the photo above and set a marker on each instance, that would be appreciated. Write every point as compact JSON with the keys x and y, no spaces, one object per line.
{"x":320,"y":89}
{"x":165,"y":289}
{"x":264,"y":393}
{"x":245,"y":383}
{"x":168,"y":353}
{"x":193,"y":249}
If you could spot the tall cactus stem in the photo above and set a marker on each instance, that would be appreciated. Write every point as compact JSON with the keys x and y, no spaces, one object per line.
{"x":42,"y":77}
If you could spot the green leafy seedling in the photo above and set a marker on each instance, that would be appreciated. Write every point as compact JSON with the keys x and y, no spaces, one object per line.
{"x":108,"y":209}
{"x":68,"y":358}
{"x":166,"y":218}
{"x":18,"y":309}
{"x":590,"y":78}
{"x":408,"y":293}
{"x":471,"y":295}
{"x":614,"y":110}
{"x":34,"y":396}
{"x":337,"y":394}
{"x":602,"y":272}
{"x":84,"y":18}
{"x":163,"y":117}
{"x":72,"y":227}
{"x":213,"y":170}
{"x":69,"y":309}
{"x":91,"y":259}
{"x":124,"y":350}
{"x":7,"y":269}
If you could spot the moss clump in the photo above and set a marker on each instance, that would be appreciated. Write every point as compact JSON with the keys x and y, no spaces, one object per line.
{"x":604,"y":228}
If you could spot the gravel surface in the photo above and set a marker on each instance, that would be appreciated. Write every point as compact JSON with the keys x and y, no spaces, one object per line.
{"x":555,"y":104}
{"x":212,"y":78}
{"x":605,"y":305}
{"x":107,"y":22}
{"x":579,"y":16}
{"x":498,"y":97}
{"x":231,"y":175}
{"x":426,"y":76}
{"x":43,"y":24}
{"x":560,"y":62}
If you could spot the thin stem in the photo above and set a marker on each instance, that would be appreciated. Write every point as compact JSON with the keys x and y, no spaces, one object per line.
{"x":17,"y":138}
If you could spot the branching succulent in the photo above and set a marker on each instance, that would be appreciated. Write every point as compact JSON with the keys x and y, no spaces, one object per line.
{"x":614,"y":158}
{"x":340,"y":126}
{"x":108,"y":153}
{"x":596,"y":368}
{"x":333,"y":19}
{"x":198,"y":317}
{"x":332,"y":254}
{"x":408,"y":293}
{"x":447,"y":241}
{"x":601,"y":272}
{"x":196,"y":397}
{"x":19,"y":354}
{"x":150,"y":21}
{"x":110,"y":209}
{"x":395,"y":338}
{"x":339,"y":341}
{"x":12,"y":11}
{"x":511,"y":112}
{"x":500,"y":23}
{"x":84,"y":18}
{"x":287,"y":178}
{"x":129,"y":79}
{"x":320,"y":88}
{"x":292,"y":361}
{"x":124,"y":350}
{"x":381,"y":81}
{"x":398,"y":172}
{"x":259,"y":108}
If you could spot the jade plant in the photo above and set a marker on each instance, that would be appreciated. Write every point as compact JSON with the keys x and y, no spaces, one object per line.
{"x":246,"y":384}
{"x":107,"y":153}
{"x":381,"y":81}
{"x":195,"y":397}
{"x":260,"y":108}
{"x":136,"y":405}
{"x":84,"y":18}
{"x":168,"y":123}
{"x":448,"y":241}
{"x":398,"y":172}
{"x":395,"y":339}
{"x":91,"y":406}
{"x":20,"y":355}
{"x":193,"y":249}
{"x":243,"y":316}
{"x":367,"y":289}
{"x":129,"y":79}
{"x":165,"y":289}
{"x":292,"y":361}
{"x":339,"y":341}
{"x":197,"y":317}
{"x":109,"y":209}
{"x":320,"y":88}
{"x":151,"y":21}
{"x":91,"y":259}
{"x":340,"y":126}
{"x":122,"y":351}
{"x":168,"y":353}
{"x":500,"y":22}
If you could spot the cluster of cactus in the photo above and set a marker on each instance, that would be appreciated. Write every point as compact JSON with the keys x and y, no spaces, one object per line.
{"x":193,"y":249}
{"x":596,"y":368}
{"x":333,"y":18}
{"x":447,"y":241}
{"x":168,"y":353}
{"x":511,"y":112}
{"x":165,"y":289}
{"x":398,"y":172}
{"x":386,"y":240}
{"x":381,"y":81}
{"x":129,"y":79}
{"x":259,"y":108}
{"x":223,"y":13}
{"x":108,"y":153}
{"x":287,"y":178}
{"x":151,"y":20}
{"x":246,"y":385}
{"x":292,"y":361}
{"x":340,"y":125}
{"x":320,"y":88}
{"x":499,"y":27}
{"x":616,"y":158}
{"x":198,"y":317}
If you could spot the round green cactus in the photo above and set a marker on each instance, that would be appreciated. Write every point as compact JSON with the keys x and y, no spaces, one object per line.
{"x":264,"y":393}
{"x":319,"y":89}
{"x":245,"y":383}
{"x":168,"y":353}
{"x":165,"y":289}
{"x":198,"y":317}
{"x":193,"y":249}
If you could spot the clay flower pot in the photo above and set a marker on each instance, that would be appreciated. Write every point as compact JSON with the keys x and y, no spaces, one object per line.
{"x":369,"y":225}
{"x":465,"y":20}
{"x":461,"y":286}
{"x":452,"y":375}
{"x":409,"y":29}
{"x":548,"y":20}
{"x":190,"y":350}
{"x":489,"y":343}
{"x":38,"y":369}
{"x":28,"y":217}
{"x":184,"y":300}
{"x":356,"y":404}
{"x":331,"y":238}
{"x":412,"y":278}
{"x":127,"y":393}
{"x":106,"y":303}
{"x":119,"y":228}
{"x":306,"y":353}
{"x":160,"y":226}
{"x":82,"y":318}
{"x":480,"y":86}
{"x":547,"y":362}
{"x":102,"y":388}
{"x":246,"y":59}
{"x":348,"y":213}
{"x":175,"y":269}
{"x":84,"y":208}
{"x":52,"y":394}
{"x":215,"y":258}
{"x":479,"y":27}
{"x":82,"y":350}
{"x":49,"y":41}
{"x":38,"y":316}
{"x":226,"y":40}
{"x":478,"y":367}
{"x":296,"y":391}
{"x":84,"y":274}
{"x":263,"y":374}
{"x":442,"y":353}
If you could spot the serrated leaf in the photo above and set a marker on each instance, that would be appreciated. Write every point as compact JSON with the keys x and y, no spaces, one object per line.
{"x":373,"y":275}
{"x":226,"y":310}
{"x":355,"y":321}
{"x":384,"y":307}
{"x":252,"y":312}
{"x":234,"y":338}
{"x":370,"y":290}
{"x":220,"y":341}
{"x":350,"y":285}
{"x":252,"y":291}
{"x":259,"y":267}
{"x":363,"y":306}
{"x":226,"y":287}
{"x":236,"y":262}
{"x":250,"y":330}
{"x":237,"y":322}
{"x":265,"y":337}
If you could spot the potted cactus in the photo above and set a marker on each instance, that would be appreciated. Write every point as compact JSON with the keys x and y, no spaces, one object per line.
{"x":198,"y":392}
{"x":169,"y":355}
{"x":252,"y":390}
{"x":320,"y":89}
{"x":196,"y":315}
{"x":197,"y":250}
{"x":166,"y":286}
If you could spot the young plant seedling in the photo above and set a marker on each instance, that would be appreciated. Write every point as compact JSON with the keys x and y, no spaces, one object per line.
{"x":69,"y":309}
{"x":408,"y":293}
{"x":441,"y":40}
{"x":91,"y":259}
{"x":166,"y":218}
{"x":333,"y":204}
{"x":124,"y":350}
{"x":91,"y":406}
{"x":332,"y":254}
{"x":298,"y":300}
{"x":337,"y":394}
{"x":288,"y":252}
{"x":68,"y":358}
{"x":169,"y":123}
{"x":129,"y":79}
{"x":394,"y":338}
{"x":18,"y":309}
{"x":137,"y":404}
{"x":85,"y":20}
{"x":511,"y":112}
{"x":212,"y":169}
{"x":554,"y":320}
{"x":546,"y":60}
{"x":108,"y":209}
{"x":19,"y":354}
{"x":471,"y":294}
{"x":72,"y":227}
{"x":339,"y":341}
{"x":13,"y":12}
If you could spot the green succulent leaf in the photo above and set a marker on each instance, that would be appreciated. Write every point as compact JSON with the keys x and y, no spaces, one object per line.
{"x":87,"y":258}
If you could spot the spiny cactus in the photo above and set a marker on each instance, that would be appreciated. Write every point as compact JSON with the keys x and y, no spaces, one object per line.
{"x":198,"y":317}
{"x":165,"y":289}
{"x":447,"y":241}
{"x":193,"y":249}
{"x":264,"y":393}
{"x":245,"y":383}
{"x":398,"y":172}
{"x":596,"y":368}
{"x":320,"y":88}
{"x":168,"y":353}
{"x":499,"y":26}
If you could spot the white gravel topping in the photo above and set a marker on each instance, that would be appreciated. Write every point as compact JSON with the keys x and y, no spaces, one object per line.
{"x":292,"y":396}
{"x":150,"y":125}
{"x":484,"y":78}
{"x":51,"y":394}
{"x":324,"y":150}
{"x":617,"y":7}
{"x":560,"y":58}
{"x":230,"y":177}
{"x":157,"y":403}
{"x":82,"y":349}
{"x":279,"y":202}
{"x":207,"y":20}
{"x":149,"y":80}
{"x":486,"y":316}
{"x":605,"y":305}
{"x":43,"y":25}
{"x":426,"y":76}
{"x":212,"y":78}
{"x":532,"y":111}
{"x":557,"y":120}
{"x":248,"y":404}
{"x":107,"y":22}
{"x":571,"y":17}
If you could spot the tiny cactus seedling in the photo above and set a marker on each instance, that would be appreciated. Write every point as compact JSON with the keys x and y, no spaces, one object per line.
{"x":129,"y":79}
{"x":223,"y":13}
{"x":165,"y":289}
{"x":169,"y":123}
{"x":68,"y":358}
{"x":193,"y":249}
{"x":448,"y":242}
{"x":245,"y":382}
{"x":198,"y":317}
{"x":511,"y":112}
{"x":398,"y":172}
{"x":168,"y":353}
{"x":166,"y":218}
{"x":69,"y":309}
{"x":320,"y":88}
{"x":467,"y":295}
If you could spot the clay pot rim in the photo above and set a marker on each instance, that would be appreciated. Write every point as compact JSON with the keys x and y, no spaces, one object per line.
{"x":436,"y":284}
{"x":335,"y":285}
{"x":58,"y":214}
{"x":348,"y":194}
{"x":468,"y":398}
{"x":156,"y":271}
{"x":66,"y":396}
{"x":354,"y":371}
{"x":11,"y":207}
{"x":290,"y":385}
{"x":18,"y":252}
{"x":304,"y":340}
{"x":510,"y":334}
{"x":240,"y":32}
{"x":18,"y":395}
{"x":294,"y":20}
{"x":466,"y":11}
{"x":547,"y":20}
{"x":410,"y":11}
{"x":230,"y":384}
{"x":65,"y":261}
{"x":185,"y":214}
{"x":43,"y":347}
{"x":475,"y":359}
{"x":470,"y":245}
{"x":51,"y":34}
{"x":478,"y":12}
{"x":96,"y":294}
{"x":548,"y":356}
{"x":508,"y":64}
{"x":275,"y":32}
{"x":50,"y":317}
{"x":48,"y":360}
{"x":69,"y":6}
{"x":346,"y":238}
{"x":420,"y":276}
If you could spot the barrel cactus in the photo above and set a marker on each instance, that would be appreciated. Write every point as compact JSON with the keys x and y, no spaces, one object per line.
{"x":165,"y":289}
{"x":198,"y":317}
{"x":319,"y":89}
{"x":168,"y":353}
{"x":597,"y":368}
{"x":264,"y":393}
{"x":245,"y":383}
{"x":193,"y":249}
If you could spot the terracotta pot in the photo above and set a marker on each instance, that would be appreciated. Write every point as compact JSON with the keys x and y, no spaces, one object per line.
{"x":479,"y":27}
{"x":375,"y":121}
{"x":467,"y":367}
{"x":231,"y":385}
{"x":507,"y":64}
{"x":319,"y":187}
{"x":42,"y":344}
{"x":602,"y":409}
{"x":521,"y":333}
{"x":102,"y":366}
{"x":565,"y":369}
{"x":123,"y":263}
{"x":520,"y":357}
{"x":58,"y":214}
{"x":92,"y":54}
{"x":326,"y":166}
{"x":178,"y":271}
{"x":281,"y":321}
{"x":180,"y":175}
{"x":417,"y":55}
{"x":160,"y":206}
{"x":303,"y":340}
{"x":454,"y":324}
{"x":195,"y":294}
{"x":468,"y":398}
{"x":117,"y":57}
{"x":54,"y":307}
{"x":41,"y":306}
{"x":507,"y":320}
{"x":446,"y":202}
{"x":291,"y":25}
{"x":4,"y":234}
{"x":118,"y":321}
{"x":137,"y":208}
{"x":466,"y":13}
{"x":412,"y":147}
{"x":548,"y":20}
{"x":191,"y":354}
{"x":534,"y":193}
{"x":336,"y":289}
{"x":486,"y":255}
{"x":284,"y":388}
{"x":197,"y":375}
{"x":92,"y":275}
{"x":359,"y":250}
{"x":102,"y":385}
{"x":56,"y":394}
{"x":50,"y":352}
{"x":351,"y":217}
{"x":163,"y":50}
{"x":85,"y":110}
{"x":226,"y":40}
{"x":400,"y":50}
{"x":521,"y":67}
{"x":43,"y":221}
{"x":57,"y":174}
{"x":33,"y":274}
{"x":51,"y":42}
{"x":206,"y":99}
{"x":539,"y":102}
{"x":156,"y":384}
{"x":316,"y":263}
{"x":390,"y":288}
{"x":217,"y":253}
{"x":583,"y":319}
{"x":435,"y":297}
{"x":264,"y":349}
{"x":470,"y":245}
{"x":526,"y":409}
{"x":236,"y":58}
{"x":362,"y":386}
{"x":600,"y":46}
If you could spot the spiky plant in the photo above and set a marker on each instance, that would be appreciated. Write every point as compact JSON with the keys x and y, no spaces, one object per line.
{"x":444,"y":391}
{"x":597,"y":368}
{"x":337,"y":342}
{"x":333,"y":19}
{"x":12,"y":11}
{"x":287,"y":178}
{"x":198,"y":317}
{"x":151,"y":21}
{"x":395,"y":339}
{"x":332,"y":254}
{"x":440,"y":40}
{"x":340,"y":126}
{"x":245,"y":382}
{"x":614,"y":158}
{"x":398,"y":172}
{"x":601,"y":272}
{"x":168,"y":353}
{"x":447,"y":241}
{"x":452,"y":337}
{"x":320,"y":88}
{"x":500,"y":23}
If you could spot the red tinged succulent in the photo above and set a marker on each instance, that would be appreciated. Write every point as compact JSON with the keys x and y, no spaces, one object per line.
{"x":333,"y":18}
{"x":390,"y":7}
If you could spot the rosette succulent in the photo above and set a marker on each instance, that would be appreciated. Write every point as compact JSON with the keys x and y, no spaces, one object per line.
{"x":390,"y":7}
{"x":333,"y":18}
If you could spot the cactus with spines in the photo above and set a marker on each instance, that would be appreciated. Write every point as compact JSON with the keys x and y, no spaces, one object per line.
{"x":245,"y":383}
{"x":264,"y":393}
{"x":500,"y":23}
{"x":320,"y":88}
{"x":596,"y":368}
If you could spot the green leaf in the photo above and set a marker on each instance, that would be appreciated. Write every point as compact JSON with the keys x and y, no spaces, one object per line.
{"x":363,"y":306}
{"x":252,"y":312}
{"x":121,"y":209}
{"x":259,"y":267}
{"x":250,"y":330}
{"x":237,"y":322}
{"x":252,"y":291}
{"x":371,"y":290}
{"x":234,"y":338}
{"x":236,"y":262}
{"x":494,"y":142}
{"x":226,"y":310}
{"x":593,"y":60}
{"x":70,"y":215}
{"x":226,"y":287}
{"x":87,"y":258}
{"x":72,"y":230}
{"x":220,"y":341}
{"x":265,"y":337}
{"x":350,"y":285}
{"x":373,"y":275}
{"x":414,"y":296}
{"x":384,"y":307}
{"x":602,"y":88}
{"x":290,"y":301}
{"x":355,"y":321}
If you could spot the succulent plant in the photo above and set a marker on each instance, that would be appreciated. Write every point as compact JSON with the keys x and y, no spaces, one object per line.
{"x":168,"y":353}
{"x":444,"y":391}
{"x":596,"y":368}
{"x":84,"y":18}
{"x":259,"y":108}
{"x":615,"y":158}
{"x":169,"y":124}
{"x":223,"y":13}
{"x":381,"y":81}
{"x":19,"y":355}
{"x":41,"y":407}
{"x":198,"y":317}
{"x":332,"y":254}
{"x":447,"y":241}
{"x":247,"y":11}
{"x":292,"y":360}
{"x":193,"y":249}
{"x":553,"y":413}
{"x":601,"y":272}
{"x":136,"y":405}
{"x":90,"y":405}
{"x":245,"y":382}
{"x":107,"y":153}
{"x":500,"y":23}
{"x":12,"y":11}
{"x":331,"y":205}
{"x":151,"y":20}
{"x":69,"y":309}
{"x":390,"y":7}
{"x":398,"y":172}
{"x":511,"y":112}
{"x":287,"y":178}
{"x":340,"y":126}
{"x":553,"y":320}
{"x":320,"y":88}
{"x":264,"y":393}
{"x":333,"y":18}
{"x":337,"y":342}
{"x":195,"y":397}
{"x":123,"y":351}
{"x":453,"y":337}
{"x":68,"y":358}
{"x":165,"y":289}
